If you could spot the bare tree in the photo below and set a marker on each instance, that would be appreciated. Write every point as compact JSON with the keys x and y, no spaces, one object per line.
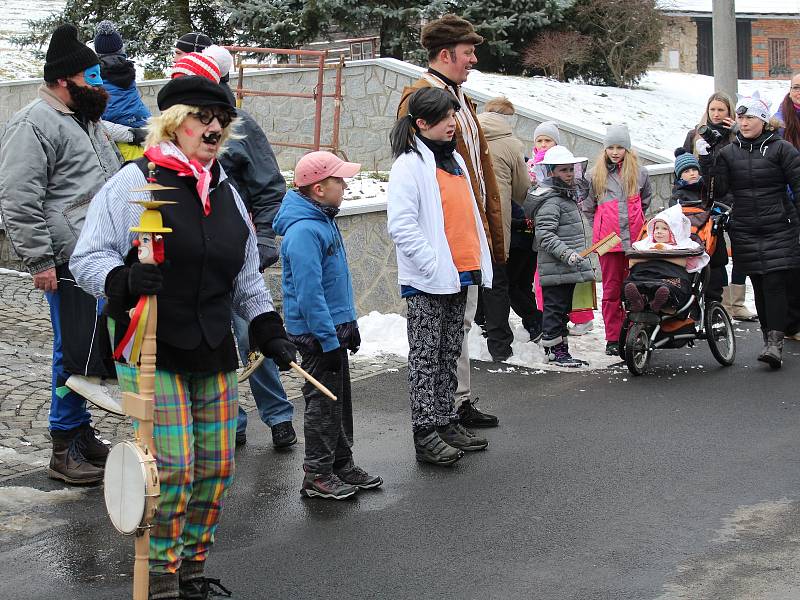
{"x":552,"y":51}
{"x":626,"y":34}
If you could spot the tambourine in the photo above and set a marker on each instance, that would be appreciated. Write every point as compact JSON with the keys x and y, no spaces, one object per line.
{"x":131,"y":487}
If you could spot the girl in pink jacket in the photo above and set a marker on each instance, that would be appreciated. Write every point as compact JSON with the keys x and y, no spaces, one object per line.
{"x":618,"y":198}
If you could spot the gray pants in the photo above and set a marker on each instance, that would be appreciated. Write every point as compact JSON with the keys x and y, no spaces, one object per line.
{"x":327,"y":424}
{"x":463,"y":388}
{"x":435,"y":331}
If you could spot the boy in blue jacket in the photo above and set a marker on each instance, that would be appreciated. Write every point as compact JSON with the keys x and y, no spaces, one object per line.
{"x":321,"y":321}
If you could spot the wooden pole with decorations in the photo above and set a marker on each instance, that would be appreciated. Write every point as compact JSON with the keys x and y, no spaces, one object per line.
{"x":132,"y":489}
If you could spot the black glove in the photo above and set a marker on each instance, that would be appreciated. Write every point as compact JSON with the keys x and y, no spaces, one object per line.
{"x":268,"y":334}
{"x":120,"y":300}
{"x":139,"y":135}
{"x":355,"y":341}
{"x":331,"y":361}
{"x":144,"y":279}
{"x":267,"y":256}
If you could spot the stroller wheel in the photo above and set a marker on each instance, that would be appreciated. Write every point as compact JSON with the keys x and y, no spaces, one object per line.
{"x":719,"y":333}
{"x":637,"y":348}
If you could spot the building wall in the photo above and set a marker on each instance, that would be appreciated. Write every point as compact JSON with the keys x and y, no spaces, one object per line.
{"x":765,"y":29}
{"x":680,"y":46}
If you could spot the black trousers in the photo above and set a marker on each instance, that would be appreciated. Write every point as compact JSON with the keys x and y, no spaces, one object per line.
{"x":520,"y":268}
{"x":327,"y":424}
{"x":771,"y":292}
{"x":496,"y":309}
{"x":793,"y":316}
{"x":557,"y":306}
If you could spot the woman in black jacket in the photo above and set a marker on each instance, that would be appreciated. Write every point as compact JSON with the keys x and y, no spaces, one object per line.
{"x":764,"y":228}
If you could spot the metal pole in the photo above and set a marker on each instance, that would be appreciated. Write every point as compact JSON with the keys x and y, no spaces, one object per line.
{"x":724,"y":47}
{"x":337,"y":104}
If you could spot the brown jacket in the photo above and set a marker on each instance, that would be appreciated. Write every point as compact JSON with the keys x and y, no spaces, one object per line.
{"x":510,"y":170}
{"x":492,"y":214}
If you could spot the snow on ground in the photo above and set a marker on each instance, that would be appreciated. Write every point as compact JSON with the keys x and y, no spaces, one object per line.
{"x":16,"y":502}
{"x":16,"y":63}
{"x":658,"y":112}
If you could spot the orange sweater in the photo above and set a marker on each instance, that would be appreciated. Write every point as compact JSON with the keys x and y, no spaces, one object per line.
{"x":459,"y":221}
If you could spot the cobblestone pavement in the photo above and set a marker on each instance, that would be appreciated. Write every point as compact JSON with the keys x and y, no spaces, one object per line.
{"x":25,"y":353}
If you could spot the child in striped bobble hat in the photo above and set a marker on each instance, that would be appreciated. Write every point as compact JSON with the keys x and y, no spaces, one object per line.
{"x":196,"y":63}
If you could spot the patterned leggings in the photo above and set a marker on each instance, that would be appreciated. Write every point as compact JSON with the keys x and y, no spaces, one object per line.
{"x":435,"y":333}
{"x":194,"y":432}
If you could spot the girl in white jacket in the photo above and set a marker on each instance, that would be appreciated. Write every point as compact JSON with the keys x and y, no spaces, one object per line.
{"x":441,"y":249}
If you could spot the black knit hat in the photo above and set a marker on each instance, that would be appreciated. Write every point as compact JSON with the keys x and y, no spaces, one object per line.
{"x":107,"y":39}
{"x":192,"y":91}
{"x":193,"y":42}
{"x":66,"y":56}
{"x":448,"y":31}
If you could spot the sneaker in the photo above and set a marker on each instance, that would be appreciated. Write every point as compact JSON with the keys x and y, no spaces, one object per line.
{"x":358,"y":477}
{"x":634,"y":297}
{"x":431,"y":448}
{"x":559,"y":355}
{"x":457,"y":436}
{"x":94,"y":391}
{"x":283,"y":435}
{"x":203,"y":588}
{"x":612,"y":348}
{"x":581,"y":328}
{"x":91,"y":446}
{"x":659,"y":299}
{"x":469,"y":416}
{"x":326,"y":485}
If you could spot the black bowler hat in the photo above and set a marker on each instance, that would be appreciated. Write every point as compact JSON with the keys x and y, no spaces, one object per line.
{"x":192,"y":90}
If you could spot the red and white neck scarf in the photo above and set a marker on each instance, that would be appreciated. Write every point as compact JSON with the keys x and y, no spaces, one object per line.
{"x":169,"y":156}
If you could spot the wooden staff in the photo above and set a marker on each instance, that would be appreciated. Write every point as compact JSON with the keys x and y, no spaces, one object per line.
{"x":254,"y":359}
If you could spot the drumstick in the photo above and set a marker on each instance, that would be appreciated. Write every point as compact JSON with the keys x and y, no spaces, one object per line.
{"x":312,"y":381}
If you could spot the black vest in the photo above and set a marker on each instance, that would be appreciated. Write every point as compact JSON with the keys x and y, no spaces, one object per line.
{"x":203,"y":257}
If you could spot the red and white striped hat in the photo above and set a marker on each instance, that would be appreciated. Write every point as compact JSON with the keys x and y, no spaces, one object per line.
{"x":195,"y":63}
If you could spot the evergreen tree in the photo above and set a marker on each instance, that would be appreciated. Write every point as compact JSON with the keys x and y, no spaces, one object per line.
{"x":275,"y":23}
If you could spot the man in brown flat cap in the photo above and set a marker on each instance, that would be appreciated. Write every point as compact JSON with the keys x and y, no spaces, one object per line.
{"x":450,"y":42}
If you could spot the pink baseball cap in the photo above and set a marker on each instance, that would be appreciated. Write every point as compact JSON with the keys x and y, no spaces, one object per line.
{"x":319,"y":165}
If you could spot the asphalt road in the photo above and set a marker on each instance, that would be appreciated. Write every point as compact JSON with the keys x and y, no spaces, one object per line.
{"x":682,"y":484}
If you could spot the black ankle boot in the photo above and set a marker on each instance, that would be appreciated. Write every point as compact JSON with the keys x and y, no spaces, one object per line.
{"x":68,"y":464}
{"x":195,"y":586}
{"x":163,"y":586}
{"x":90,"y":446}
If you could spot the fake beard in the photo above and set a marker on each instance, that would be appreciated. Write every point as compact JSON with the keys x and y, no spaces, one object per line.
{"x":87,"y":101}
{"x":212,"y":138}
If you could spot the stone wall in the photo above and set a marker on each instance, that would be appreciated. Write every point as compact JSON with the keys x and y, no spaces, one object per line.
{"x":679,"y":42}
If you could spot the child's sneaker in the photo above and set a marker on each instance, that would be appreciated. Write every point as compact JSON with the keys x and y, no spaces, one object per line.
{"x":634,"y":297}
{"x":460,"y":437}
{"x":559,"y":355}
{"x":581,"y":328}
{"x":326,"y":485}
{"x":358,"y":477}
{"x":659,"y":299}
{"x":612,"y":348}
{"x":431,"y":448}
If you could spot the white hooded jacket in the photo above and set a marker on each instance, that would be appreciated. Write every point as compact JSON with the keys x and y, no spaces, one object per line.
{"x":681,"y":229}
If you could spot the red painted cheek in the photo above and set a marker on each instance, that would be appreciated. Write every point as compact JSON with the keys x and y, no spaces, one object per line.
{"x":189,"y":132}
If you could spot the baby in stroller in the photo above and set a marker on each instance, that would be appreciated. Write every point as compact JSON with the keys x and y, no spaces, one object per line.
{"x":661,"y":262}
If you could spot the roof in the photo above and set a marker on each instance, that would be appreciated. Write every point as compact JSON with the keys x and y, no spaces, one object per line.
{"x":770,"y":8}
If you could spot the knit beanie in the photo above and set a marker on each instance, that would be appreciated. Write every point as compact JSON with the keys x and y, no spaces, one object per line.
{"x":549,"y":129}
{"x":448,"y":31}
{"x":107,"y":39}
{"x":617,"y":135}
{"x":193,"y":42}
{"x":222,"y":57}
{"x":684,"y":160}
{"x":196,"y":63}
{"x":66,"y":56}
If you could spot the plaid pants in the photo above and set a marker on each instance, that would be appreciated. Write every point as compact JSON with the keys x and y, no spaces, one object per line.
{"x":194,"y":432}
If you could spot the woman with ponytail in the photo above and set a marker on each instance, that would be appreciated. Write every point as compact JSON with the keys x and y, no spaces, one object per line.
{"x":441,"y":250}
{"x":618,"y":197}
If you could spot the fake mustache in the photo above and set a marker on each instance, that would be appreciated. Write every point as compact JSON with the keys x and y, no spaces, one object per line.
{"x":212,"y":138}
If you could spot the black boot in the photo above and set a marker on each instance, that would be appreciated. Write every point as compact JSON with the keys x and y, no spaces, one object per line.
{"x":90,"y":446}
{"x":68,"y":464}
{"x":194,"y":586}
{"x":163,"y":586}
{"x":773,"y":351}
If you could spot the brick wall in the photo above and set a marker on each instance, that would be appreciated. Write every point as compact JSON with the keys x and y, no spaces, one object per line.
{"x":680,"y":36}
{"x":765,"y":29}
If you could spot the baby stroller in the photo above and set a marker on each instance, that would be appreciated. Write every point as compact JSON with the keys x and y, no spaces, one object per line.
{"x":700,"y":318}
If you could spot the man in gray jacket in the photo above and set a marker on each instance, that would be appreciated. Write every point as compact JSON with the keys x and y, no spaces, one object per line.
{"x":54,"y":156}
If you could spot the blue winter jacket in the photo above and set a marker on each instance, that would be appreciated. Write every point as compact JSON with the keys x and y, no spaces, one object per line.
{"x":317,"y":289}
{"x":124,"y":106}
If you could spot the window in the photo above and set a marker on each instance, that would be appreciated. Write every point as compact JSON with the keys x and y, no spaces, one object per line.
{"x":779,"y":57}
